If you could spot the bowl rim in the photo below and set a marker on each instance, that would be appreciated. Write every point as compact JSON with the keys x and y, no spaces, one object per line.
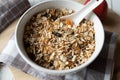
{"x":54,"y":72}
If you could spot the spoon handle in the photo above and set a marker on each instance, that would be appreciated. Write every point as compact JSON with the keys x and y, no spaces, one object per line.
{"x":85,"y":10}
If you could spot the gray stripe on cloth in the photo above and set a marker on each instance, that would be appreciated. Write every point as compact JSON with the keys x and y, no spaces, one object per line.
{"x":109,"y":70}
{"x":110,"y":61}
{"x":80,"y":75}
{"x":4,"y":59}
{"x":51,"y":77}
{"x":112,"y":48}
{"x":18,"y":62}
{"x":26,"y":68}
{"x":36,"y":73}
{"x":94,"y":75}
{"x":10,"y":10}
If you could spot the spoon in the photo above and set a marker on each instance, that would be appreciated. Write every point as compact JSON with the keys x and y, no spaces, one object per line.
{"x":77,"y":17}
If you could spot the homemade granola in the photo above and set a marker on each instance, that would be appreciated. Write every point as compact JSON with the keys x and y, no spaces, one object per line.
{"x":56,"y":44}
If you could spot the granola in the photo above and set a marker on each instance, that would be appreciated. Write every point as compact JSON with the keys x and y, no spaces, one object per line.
{"x":56,"y":44}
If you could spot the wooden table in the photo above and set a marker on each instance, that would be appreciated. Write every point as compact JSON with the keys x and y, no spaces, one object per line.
{"x":111,"y":23}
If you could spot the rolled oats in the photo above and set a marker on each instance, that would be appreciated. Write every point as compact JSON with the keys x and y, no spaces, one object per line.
{"x":56,"y":44}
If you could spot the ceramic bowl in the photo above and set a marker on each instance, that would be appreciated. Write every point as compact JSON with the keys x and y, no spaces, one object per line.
{"x":70,"y":4}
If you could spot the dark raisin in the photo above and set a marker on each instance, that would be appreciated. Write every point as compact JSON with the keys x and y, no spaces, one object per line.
{"x":32,"y":56}
{"x":72,"y":33}
{"x":53,"y":17}
{"x":69,"y":48}
{"x":57,"y":34}
{"x":83,"y":21}
{"x":26,"y":45}
{"x":51,"y":63}
{"x":77,"y":62}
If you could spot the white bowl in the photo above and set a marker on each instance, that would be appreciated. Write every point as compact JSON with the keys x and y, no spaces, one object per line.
{"x":98,"y":27}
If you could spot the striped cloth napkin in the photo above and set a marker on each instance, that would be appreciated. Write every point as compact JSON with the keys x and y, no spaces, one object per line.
{"x":10,"y":10}
{"x":100,"y":69}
